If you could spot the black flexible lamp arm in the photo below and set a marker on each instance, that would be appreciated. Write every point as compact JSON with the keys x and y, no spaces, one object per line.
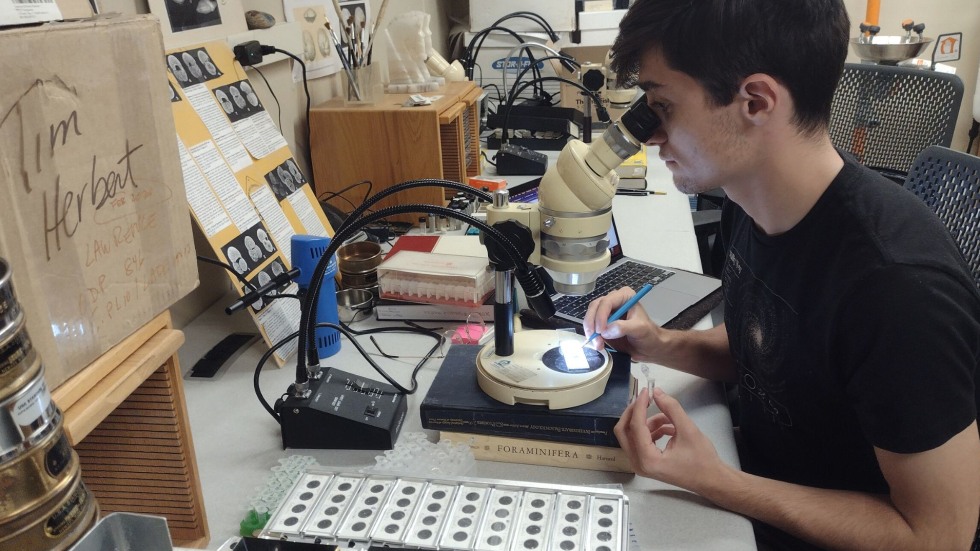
{"x":530,"y":15}
{"x":423,"y":182}
{"x":601,"y":111}
{"x":566,"y":60}
{"x":470,"y":54}
{"x":575,"y":64}
{"x":530,"y":281}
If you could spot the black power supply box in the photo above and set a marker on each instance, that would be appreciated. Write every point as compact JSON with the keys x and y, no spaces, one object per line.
{"x":516,"y":159}
{"x":343,"y":411}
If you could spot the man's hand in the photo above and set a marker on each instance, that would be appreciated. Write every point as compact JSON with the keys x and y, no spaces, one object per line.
{"x":689,"y":460}
{"x":633,"y":334}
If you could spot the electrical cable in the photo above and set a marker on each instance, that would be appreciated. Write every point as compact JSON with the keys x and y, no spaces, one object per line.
{"x":500,"y":94}
{"x":528,"y":68}
{"x":328,"y":195}
{"x":244,"y":281}
{"x":487,"y":159}
{"x":472,"y":50}
{"x":271,"y":91}
{"x":530,"y":15}
{"x":600,"y":109}
{"x":422,"y":182}
{"x":228,"y":267}
{"x":306,"y":89}
{"x":529,"y":279}
{"x":351,"y":334}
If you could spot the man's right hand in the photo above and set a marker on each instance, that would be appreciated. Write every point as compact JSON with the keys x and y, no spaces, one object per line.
{"x":704,"y":353}
{"x":633,"y":334}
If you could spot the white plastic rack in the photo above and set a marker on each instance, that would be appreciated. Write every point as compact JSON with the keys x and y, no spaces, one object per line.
{"x":449,"y":513}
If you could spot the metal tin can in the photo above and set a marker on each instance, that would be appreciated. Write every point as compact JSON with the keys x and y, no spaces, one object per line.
{"x":28,"y":480}
{"x":27,"y":416}
{"x":56,"y":524}
{"x":9,"y":307}
{"x":17,"y":356}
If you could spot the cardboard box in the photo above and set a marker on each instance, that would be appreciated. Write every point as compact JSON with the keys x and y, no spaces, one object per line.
{"x":95,"y":223}
{"x":560,"y":14}
{"x":19,"y":12}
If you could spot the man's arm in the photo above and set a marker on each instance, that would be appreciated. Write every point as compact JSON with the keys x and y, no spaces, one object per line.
{"x":702,"y":353}
{"x":934,"y":501}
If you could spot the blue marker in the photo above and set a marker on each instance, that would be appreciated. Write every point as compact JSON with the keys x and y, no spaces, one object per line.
{"x":624,"y":308}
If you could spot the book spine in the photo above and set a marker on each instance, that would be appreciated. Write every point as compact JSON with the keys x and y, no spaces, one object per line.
{"x":583,"y":430}
{"x":433,"y":312}
{"x":538,"y":452}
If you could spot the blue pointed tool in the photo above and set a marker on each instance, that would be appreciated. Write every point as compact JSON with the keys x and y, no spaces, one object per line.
{"x":624,"y":308}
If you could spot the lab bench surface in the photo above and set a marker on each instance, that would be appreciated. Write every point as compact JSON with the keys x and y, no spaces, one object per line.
{"x":238,"y":442}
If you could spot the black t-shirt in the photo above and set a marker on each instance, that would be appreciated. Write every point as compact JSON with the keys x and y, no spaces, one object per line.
{"x":859,"y":327}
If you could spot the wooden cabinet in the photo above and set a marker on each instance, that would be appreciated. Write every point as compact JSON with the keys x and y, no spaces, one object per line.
{"x":387,"y":143}
{"x":126,"y":416}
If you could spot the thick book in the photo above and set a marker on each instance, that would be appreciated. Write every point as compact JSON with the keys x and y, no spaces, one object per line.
{"x":397,"y":310}
{"x":634,"y":166}
{"x":631,"y":183}
{"x":508,"y":449}
{"x":455,"y":402}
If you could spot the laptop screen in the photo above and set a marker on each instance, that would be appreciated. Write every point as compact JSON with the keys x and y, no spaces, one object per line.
{"x":528,"y":193}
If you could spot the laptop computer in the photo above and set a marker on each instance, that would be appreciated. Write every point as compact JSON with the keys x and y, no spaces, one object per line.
{"x":674,"y":290}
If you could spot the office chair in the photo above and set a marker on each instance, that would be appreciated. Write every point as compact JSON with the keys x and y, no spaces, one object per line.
{"x":949,"y":182}
{"x":885,"y":115}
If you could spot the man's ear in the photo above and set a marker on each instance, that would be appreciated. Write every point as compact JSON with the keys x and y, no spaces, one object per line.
{"x":760,"y":94}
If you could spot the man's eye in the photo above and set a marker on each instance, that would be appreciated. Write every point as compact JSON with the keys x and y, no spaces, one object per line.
{"x":658,"y":106}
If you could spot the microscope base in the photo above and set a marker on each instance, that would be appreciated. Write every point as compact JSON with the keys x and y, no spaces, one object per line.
{"x":549,"y":368}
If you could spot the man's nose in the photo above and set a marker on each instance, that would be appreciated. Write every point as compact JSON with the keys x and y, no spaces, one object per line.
{"x":658,"y":137}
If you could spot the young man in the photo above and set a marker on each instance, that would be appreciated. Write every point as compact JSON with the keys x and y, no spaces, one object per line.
{"x":852,"y":325}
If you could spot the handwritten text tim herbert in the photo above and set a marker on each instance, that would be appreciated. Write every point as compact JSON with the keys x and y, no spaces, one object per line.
{"x":94,"y":213}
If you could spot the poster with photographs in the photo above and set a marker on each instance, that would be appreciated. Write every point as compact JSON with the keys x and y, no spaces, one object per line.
{"x":263,"y":277}
{"x":186,"y":22}
{"x":255,"y":128}
{"x":174,"y":96}
{"x":319,"y":43}
{"x":238,"y":100}
{"x":285,"y":179}
{"x":247,"y":193}
{"x":249,"y":249}
{"x":185,"y":15}
{"x":192,"y":67}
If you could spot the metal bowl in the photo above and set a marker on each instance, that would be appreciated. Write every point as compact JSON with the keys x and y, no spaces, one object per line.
{"x":889,"y":49}
{"x":359,"y":258}
{"x":351,"y":302}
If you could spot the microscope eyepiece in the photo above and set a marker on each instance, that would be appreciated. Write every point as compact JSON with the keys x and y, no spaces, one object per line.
{"x":639,"y":120}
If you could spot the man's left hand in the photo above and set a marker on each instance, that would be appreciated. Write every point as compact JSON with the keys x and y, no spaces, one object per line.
{"x":688,"y":460}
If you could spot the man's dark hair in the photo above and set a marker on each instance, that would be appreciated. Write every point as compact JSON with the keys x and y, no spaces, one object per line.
{"x":800,"y":43}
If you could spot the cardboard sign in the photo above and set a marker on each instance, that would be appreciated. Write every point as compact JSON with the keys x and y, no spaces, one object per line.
{"x":95,"y":223}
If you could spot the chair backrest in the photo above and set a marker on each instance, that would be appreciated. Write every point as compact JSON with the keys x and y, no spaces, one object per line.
{"x":885,"y":115}
{"x":949,"y":182}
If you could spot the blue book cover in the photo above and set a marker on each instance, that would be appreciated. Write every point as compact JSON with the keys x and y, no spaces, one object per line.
{"x":455,"y":402}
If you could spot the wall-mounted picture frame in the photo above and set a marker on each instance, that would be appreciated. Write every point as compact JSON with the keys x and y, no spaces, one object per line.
{"x":188,"y":22}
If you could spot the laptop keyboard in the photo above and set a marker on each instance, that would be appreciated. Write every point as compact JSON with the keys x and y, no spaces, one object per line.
{"x":625,"y":274}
